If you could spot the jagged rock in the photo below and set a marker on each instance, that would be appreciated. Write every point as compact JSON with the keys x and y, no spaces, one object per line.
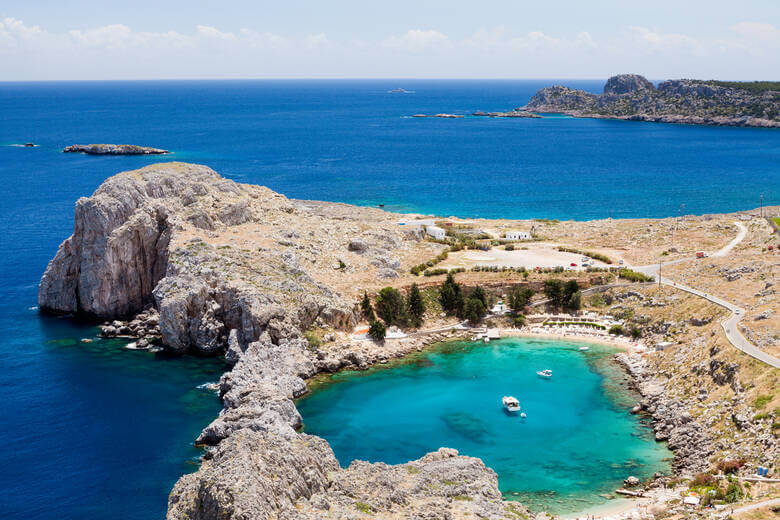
{"x":358,"y":245}
{"x":631,"y":481}
{"x":763,"y":316}
{"x":625,"y":83}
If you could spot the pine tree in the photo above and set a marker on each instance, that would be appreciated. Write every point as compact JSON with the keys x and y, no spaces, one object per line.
{"x":415,"y":305}
{"x":366,"y":308}
{"x":451,"y":296}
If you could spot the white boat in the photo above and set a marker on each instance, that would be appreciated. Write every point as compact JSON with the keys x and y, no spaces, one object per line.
{"x":546,"y":373}
{"x":510,"y":404}
{"x":583,"y":349}
{"x":487,"y":340}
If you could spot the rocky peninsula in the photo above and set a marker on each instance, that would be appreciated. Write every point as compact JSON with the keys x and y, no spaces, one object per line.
{"x":632,"y":97}
{"x":113,"y":149}
{"x":176,"y":255}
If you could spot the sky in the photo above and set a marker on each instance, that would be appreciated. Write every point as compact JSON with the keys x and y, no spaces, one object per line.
{"x":191,"y":39}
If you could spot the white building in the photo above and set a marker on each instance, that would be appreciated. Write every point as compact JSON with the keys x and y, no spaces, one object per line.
{"x":518,"y":235}
{"x":436,"y":232}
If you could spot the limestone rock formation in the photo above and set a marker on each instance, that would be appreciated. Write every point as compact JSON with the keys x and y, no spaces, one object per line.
{"x":625,"y":83}
{"x":633,"y":97}
{"x":113,"y":149}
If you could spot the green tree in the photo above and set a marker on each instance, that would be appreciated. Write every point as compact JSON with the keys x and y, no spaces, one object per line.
{"x":636,"y":333}
{"x":519,"y":298}
{"x":390,"y":306}
{"x":575,"y":301}
{"x":451,"y":296}
{"x":415,"y":305}
{"x":377,"y":331}
{"x":569,"y":289}
{"x":474,"y":310}
{"x":366,"y":308}
{"x":480,"y":294}
{"x":553,"y":289}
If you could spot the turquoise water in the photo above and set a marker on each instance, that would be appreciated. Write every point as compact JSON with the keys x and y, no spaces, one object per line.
{"x":578,"y":440}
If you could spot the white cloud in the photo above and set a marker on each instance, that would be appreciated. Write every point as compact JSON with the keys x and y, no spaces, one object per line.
{"x":765,"y":32}
{"x":657,"y":41}
{"x":748,"y":49}
{"x":417,"y":40}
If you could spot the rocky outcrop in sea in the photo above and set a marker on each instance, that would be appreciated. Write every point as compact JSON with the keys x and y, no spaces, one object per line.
{"x":632,"y":97}
{"x":113,"y":149}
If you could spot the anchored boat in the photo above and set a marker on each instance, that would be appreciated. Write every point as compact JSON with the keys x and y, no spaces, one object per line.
{"x":546,"y":373}
{"x":510,"y":403}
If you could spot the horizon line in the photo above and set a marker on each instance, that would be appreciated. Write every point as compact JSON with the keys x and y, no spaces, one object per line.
{"x":352,"y":78}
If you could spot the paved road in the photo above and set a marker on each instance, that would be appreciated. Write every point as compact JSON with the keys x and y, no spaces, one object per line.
{"x":758,"y":505}
{"x":730,"y":325}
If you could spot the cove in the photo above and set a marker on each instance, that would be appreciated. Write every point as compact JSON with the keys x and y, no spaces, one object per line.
{"x":577,"y":442}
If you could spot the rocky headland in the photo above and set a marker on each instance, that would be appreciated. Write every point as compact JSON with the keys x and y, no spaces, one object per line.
{"x":176,"y":255}
{"x":113,"y":149}
{"x":632,"y":97}
{"x":134,"y":255}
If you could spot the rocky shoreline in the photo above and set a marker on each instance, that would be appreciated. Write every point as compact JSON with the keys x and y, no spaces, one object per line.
{"x":162,"y":254}
{"x":113,"y":149}
{"x":632,"y":97}
{"x":672,"y":422}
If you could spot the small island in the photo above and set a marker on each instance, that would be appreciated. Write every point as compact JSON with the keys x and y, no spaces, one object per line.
{"x":113,"y":149}
{"x":687,"y":101}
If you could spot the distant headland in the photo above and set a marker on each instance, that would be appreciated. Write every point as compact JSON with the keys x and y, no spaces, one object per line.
{"x":688,"y":101}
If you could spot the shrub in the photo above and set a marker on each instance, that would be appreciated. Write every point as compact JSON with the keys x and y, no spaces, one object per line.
{"x":636,"y":333}
{"x":509,"y":247}
{"x":762,"y":400}
{"x":729,"y":467}
{"x":390,"y":306}
{"x":703,"y":479}
{"x":634,"y":276}
{"x":616,"y":330}
{"x":519,"y":320}
{"x":312,"y":338}
{"x":733,"y":493}
{"x":377,"y":331}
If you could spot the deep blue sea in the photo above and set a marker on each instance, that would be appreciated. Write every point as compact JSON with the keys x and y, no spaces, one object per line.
{"x":90,"y":430}
{"x":577,"y":442}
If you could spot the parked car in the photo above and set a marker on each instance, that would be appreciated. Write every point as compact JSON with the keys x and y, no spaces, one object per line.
{"x":573,"y":264}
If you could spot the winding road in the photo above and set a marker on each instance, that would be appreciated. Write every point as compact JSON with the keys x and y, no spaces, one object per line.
{"x":730,"y":325}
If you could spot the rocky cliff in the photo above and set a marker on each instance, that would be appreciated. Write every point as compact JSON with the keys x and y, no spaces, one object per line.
{"x":210,"y":265}
{"x":632,"y":97}
{"x":214,"y":258}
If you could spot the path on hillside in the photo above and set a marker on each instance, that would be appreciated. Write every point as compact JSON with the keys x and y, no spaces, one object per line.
{"x":730,"y":325}
{"x":758,"y":505}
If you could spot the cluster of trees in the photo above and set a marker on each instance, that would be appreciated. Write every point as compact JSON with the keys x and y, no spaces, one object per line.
{"x":565,"y":295}
{"x":472,"y":307}
{"x":391,"y":308}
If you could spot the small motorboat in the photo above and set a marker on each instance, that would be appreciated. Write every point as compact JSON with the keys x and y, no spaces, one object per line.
{"x":546,"y":373}
{"x":584,"y":349}
{"x":487,"y":340}
{"x":510,"y":403}
{"x":522,"y":414}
